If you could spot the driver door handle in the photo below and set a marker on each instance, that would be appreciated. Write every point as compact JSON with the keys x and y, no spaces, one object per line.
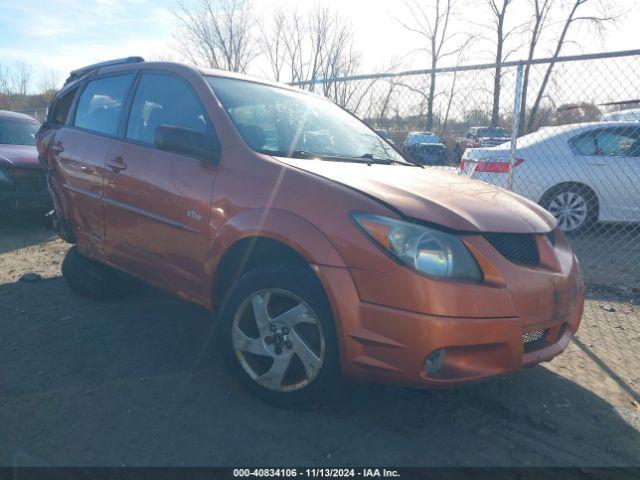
{"x":116,"y":165}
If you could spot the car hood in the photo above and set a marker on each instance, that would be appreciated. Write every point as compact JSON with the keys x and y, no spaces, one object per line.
{"x":437,"y":196}
{"x":22,"y":156}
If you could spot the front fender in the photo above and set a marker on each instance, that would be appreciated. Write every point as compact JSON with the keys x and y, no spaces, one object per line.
{"x":279,"y":225}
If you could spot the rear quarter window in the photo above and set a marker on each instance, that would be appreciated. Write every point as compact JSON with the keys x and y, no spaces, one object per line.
{"x":61,"y":107}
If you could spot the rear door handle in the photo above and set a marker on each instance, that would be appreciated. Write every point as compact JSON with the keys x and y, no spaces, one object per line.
{"x":116,"y":164}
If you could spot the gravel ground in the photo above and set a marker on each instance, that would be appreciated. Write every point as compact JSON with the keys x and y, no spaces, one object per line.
{"x":138,"y":382}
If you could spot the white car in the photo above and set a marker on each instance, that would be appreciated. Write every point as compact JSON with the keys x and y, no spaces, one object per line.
{"x":629,"y":115}
{"x":581,"y":173}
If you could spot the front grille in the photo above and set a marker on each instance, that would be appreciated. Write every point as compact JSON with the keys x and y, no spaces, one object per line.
{"x":534,"y":340}
{"x":518,"y":248}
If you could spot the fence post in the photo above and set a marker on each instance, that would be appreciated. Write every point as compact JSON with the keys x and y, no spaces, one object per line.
{"x":515,"y":125}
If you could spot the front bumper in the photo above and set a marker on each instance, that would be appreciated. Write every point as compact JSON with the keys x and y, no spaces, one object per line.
{"x":481,"y":328}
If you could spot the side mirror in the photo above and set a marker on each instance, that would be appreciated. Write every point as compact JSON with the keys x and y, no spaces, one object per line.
{"x":187,"y":141}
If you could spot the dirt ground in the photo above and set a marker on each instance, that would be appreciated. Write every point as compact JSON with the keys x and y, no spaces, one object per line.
{"x":138,"y":382}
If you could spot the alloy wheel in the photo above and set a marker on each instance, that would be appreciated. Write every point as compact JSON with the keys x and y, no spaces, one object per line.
{"x":570,"y":209}
{"x":278,"y":340}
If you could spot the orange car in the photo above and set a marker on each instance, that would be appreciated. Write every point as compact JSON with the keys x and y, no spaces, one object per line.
{"x":322,"y":252}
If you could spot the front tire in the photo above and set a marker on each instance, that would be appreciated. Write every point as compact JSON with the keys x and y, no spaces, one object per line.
{"x":279,"y":336}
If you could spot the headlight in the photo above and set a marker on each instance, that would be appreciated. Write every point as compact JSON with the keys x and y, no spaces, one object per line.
{"x":426,"y":250}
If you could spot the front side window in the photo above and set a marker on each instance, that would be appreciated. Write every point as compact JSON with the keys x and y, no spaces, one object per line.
{"x":282,"y":122}
{"x":101,"y":102}
{"x":18,"y":132}
{"x":609,"y":142}
{"x":164,"y":100}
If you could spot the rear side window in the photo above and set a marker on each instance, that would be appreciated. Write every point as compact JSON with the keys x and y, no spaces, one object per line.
{"x":61,"y":107}
{"x":609,"y":142}
{"x":164,"y":100}
{"x":101,"y":102}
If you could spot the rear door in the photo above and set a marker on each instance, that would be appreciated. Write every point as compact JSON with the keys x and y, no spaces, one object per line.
{"x":610,"y":157}
{"x":79,"y":151}
{"x":157,"y":203}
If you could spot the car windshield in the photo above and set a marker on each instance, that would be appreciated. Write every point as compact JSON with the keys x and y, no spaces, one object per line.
{"x":18,"y":132}
{"x":281,"y":122}
{"x":493,"y":132}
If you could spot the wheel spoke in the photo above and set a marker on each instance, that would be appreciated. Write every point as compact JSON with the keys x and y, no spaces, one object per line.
{"x":309,"y":359}
{"x":295,"y":315}
{"x":247,"y":344}
{"x":259,"y":304}
{"x":275,"y":375}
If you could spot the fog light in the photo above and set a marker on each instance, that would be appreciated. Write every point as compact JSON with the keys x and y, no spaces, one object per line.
{"x":434,"y":361}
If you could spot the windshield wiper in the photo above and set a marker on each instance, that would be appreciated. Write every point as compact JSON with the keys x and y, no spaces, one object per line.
{"x":388,"y":161}
{"x":367,"y":158}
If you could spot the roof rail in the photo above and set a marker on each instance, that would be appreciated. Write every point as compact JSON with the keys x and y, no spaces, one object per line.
{"x":81,"y":72}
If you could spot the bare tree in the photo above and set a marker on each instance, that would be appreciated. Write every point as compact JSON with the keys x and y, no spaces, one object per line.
{"x":431,"y":20}
{"x":295,"y":47}
{"x":499,"y":10}
{"x":541,"y":10}
{"x":596,"y":20}
{"x":274,"y":42}
{"x":49,"y":82}
{"x":319,"y":45}
{"x":15,"y":79}
{"x":217,"y":33}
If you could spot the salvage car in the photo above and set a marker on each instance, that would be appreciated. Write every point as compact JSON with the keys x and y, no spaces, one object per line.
{"x":22,"y":178}
{"x":582,"y":173}
{"x":331,"y":259}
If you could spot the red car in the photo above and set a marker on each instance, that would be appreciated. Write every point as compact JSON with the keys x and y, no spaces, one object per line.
{"x":23,"y":183}
{"x":481,"y":137}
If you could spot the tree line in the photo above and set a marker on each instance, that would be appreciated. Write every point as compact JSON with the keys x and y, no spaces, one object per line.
{"x":289,"y":44}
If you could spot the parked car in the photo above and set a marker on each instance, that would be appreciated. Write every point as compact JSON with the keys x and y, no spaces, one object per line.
{"x":581,"y":173}
{"x":481,"y":137}
{"x":414,"y":138}
{"x":23,"y":185}
{"x":425,"y":148}
{"x":319,"y":260}
{"x":629,"y":115}
{"x":433,"y":154}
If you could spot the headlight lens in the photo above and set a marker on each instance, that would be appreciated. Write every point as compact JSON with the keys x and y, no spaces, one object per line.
{"x":426,"y":250}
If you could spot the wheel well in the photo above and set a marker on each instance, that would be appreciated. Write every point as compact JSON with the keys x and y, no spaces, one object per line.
{"x":248,"y":254}
{"x":561,"y":186}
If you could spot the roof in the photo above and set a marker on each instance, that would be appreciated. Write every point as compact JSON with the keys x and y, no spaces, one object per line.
{"x":6,"y":114}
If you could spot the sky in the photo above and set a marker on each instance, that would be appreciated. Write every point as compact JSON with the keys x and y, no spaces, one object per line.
{"x":61,"y":35}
